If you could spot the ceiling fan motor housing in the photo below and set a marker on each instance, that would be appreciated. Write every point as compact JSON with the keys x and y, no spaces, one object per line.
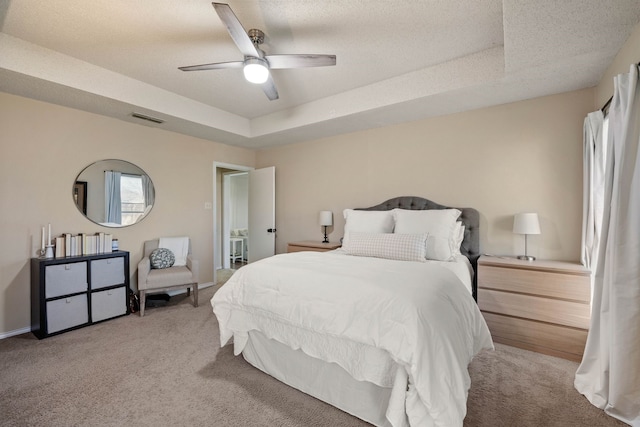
{"x":256,"y":36}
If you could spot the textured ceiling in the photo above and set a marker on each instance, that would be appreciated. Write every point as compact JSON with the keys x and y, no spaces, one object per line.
{"x":397,"y":60}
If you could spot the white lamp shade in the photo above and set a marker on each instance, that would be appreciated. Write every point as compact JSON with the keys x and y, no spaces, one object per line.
{"x":325,"y":218}
{"x":526,"y":223}
{"x":255,"y":70}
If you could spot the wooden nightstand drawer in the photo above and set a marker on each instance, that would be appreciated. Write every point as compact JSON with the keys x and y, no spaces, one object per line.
{"x":546,"y":338}
{"x":311,"y":246}
{"x":542,"y":283}
{"x":561,"y":312}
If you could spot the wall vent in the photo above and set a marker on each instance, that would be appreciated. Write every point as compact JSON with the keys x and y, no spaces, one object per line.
{"x":147,"y":118}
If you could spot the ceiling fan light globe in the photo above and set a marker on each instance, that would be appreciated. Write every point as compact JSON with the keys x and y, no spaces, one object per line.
{"x":255,"y":71}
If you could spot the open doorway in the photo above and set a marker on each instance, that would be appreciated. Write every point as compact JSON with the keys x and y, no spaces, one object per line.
{"x":235,"y":219}
{"x":260,"y":239}
{"x":222,"y":224}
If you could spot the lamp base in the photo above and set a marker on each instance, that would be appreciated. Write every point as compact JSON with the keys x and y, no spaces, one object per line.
{"x":527,"y":257}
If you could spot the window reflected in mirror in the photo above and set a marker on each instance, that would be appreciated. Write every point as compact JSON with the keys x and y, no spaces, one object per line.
{"x":113,"y":193}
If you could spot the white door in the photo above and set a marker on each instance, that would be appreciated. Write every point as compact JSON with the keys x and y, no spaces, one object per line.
{"x":262,"y":213}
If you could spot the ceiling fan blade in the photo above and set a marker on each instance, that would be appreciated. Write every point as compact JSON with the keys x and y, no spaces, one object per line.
{"x":235,"y":29}
{"x":300,"y":61}
{"x":213,"y":66}
{"x":269,"y":89}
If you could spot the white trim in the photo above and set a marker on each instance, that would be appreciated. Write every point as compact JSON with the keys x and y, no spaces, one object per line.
{"x":237,"y":173}
{"x":15,"y":332}
{"x":217,"y":248}
{"x":226,"y":230}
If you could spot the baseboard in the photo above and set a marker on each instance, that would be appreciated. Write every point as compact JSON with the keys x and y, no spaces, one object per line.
{"x":9,"y":334}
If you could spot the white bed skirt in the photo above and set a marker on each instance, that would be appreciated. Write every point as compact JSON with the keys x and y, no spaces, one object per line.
{"x":325,"y":381}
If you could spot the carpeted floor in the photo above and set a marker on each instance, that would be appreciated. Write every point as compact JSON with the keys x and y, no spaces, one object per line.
{"x":167,"y":368}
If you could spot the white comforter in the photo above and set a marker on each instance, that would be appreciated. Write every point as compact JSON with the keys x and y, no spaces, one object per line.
{"x":368,"y":315}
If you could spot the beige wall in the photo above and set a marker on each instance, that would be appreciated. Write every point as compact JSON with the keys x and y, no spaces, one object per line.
{"x":44,"y":147}
{"x":525,"y":156}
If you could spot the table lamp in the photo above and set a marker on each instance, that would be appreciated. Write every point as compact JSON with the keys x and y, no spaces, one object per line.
{"x":325,"y":220}
{"x":526,"y":223}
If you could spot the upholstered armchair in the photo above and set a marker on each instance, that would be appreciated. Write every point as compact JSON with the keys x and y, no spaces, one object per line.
{"x":152,"y":280}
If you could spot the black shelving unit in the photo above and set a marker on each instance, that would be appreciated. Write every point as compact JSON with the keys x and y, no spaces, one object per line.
{"x":73,"y":292}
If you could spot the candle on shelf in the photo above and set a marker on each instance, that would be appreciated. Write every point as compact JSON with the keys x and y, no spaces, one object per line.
{"x":49,"y":240}
{"x":42,"y":247}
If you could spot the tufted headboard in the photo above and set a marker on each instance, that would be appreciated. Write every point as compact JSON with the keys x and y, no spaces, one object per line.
{"x":470,"y":218}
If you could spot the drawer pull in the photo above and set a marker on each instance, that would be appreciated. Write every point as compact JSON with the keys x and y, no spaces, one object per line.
{"x":67,"y":266}
{"x":109,"y":292}
{"x":67,"y":300}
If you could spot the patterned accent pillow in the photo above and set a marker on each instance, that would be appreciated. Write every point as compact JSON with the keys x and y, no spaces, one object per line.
{"x":162,"y":258}
{"x":402,"y":247}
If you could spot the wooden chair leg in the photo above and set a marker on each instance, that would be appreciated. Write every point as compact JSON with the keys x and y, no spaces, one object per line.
{"x":195,"y":295}
{"x":143,"y":297}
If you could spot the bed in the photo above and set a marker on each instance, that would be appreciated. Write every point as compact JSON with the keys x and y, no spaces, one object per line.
{"x":383,"y":328}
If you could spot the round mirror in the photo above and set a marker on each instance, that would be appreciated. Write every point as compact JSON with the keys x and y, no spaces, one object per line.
{"x":113,"y":193}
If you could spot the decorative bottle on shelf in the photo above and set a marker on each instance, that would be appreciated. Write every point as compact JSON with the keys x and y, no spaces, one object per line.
{"x":48,"y":252}
{"x":114,"y":245}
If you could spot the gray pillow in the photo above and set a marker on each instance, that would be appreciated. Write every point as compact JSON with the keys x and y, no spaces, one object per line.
{"x":162,"y":258}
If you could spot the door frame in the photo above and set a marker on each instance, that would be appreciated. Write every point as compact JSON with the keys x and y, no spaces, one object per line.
{"x":217,"y":234}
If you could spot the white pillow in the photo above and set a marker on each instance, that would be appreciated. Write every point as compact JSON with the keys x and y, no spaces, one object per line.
{"x":179,"y":246}
{"x":366,"y":222}
{"x":458,"y":233}
{"x":439,"y":223}
{"x":402,"y":247}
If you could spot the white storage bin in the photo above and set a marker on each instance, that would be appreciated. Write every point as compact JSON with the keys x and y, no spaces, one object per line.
{"x":65,"y":279}
{"x":107,"y":272}
{"x":65,"y":313}
{"x":108,"y":304}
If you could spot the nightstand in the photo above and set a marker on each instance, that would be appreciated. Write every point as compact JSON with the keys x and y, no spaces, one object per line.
{"x":537,"y":305}
{"x":310,"y":245}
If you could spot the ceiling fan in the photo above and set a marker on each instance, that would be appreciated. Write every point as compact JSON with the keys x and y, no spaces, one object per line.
{"x":256,"y":64}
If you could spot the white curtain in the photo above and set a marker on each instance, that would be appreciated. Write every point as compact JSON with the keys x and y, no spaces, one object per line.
{"x":593,"y":187}
{"x":112,"y":200}
{"x":147,"y":191}
{"x":609,"y":375}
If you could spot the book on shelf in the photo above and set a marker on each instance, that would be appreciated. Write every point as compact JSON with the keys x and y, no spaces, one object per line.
{"x":68,"y":244}
{"x":83,"y":244}
{"x":60,"y":251}
{"x":108,"y":239}
{"x":75,"y":245}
